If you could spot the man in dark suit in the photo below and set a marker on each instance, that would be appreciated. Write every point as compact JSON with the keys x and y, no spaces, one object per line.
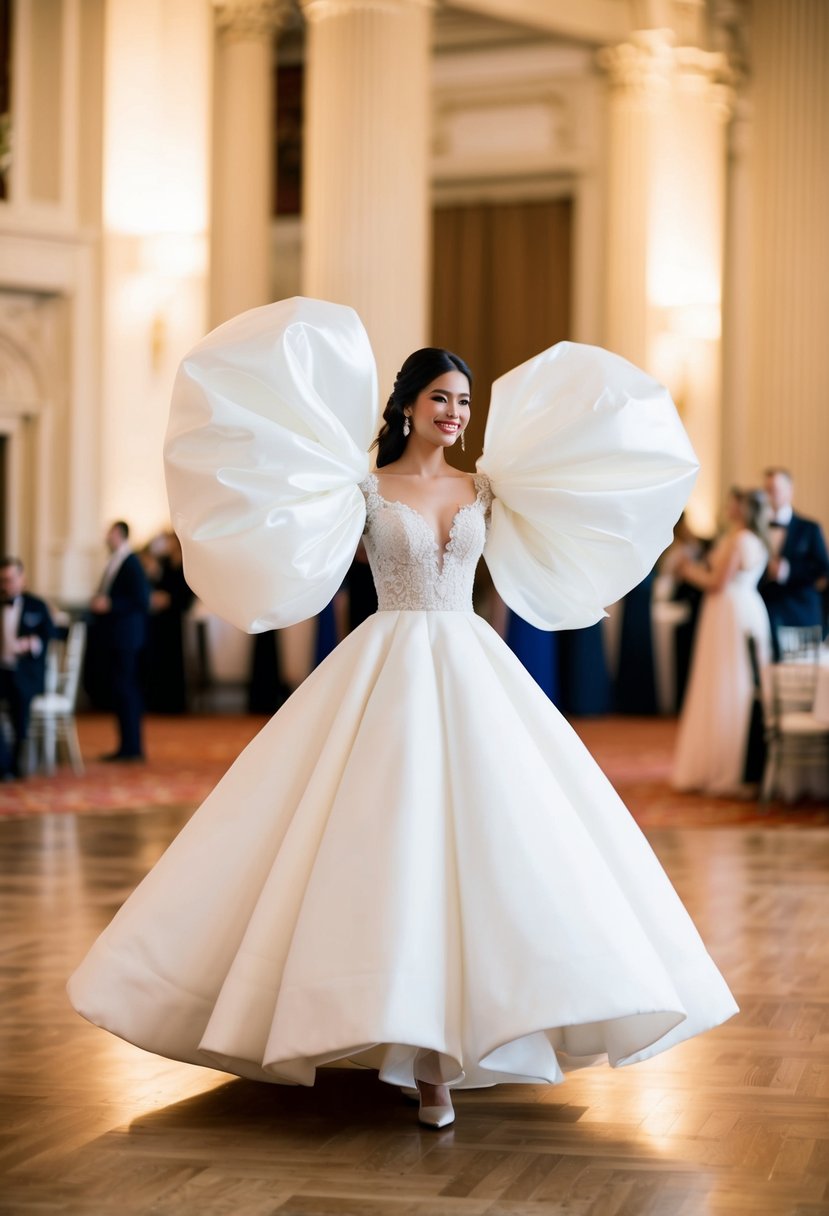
{"x":117,"y":632}
{"x":799,"y":566}
{"x":27,"y":627}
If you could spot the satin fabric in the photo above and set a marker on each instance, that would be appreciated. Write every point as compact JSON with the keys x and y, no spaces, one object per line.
{"x":273,"y":413}
{"x":590,"y":467}
{"x":416,"y":865}
{"x":271,"y":419}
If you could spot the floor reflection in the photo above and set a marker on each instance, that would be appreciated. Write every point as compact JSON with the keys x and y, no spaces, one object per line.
{"x":739,"y":1113}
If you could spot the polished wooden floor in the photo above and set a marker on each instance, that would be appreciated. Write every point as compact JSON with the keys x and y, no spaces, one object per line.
{"x":735,"y":1122}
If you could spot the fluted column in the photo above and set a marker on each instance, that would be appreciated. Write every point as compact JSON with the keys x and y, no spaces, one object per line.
{"x":737,"y":467}
{"x":638,"y":82}
{"x":243,"y":153}
{"x":789,"y":389}
{"x":366,"y":199}
{"x":666,"y":213}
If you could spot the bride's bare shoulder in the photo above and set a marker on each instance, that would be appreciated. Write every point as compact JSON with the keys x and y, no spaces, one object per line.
{"x":390,"y":470}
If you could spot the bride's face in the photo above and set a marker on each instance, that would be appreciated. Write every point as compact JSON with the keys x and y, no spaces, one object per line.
{"x":441,"y":411}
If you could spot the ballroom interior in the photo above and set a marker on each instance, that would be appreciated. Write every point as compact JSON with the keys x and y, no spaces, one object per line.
{"x":493,"y":177}
{"x":646,"y":176}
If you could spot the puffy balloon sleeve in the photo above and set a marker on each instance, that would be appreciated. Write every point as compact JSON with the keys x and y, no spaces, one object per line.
{"x":272,"y":415}
{"x":590,"y":468}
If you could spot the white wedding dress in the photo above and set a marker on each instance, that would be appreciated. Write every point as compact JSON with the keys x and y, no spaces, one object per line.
{"x":716,"y":713}
{"x":416,"y":866}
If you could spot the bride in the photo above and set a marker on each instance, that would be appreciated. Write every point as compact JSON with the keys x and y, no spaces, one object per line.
{"x":716,"y":713}
{"x":415,"y":866}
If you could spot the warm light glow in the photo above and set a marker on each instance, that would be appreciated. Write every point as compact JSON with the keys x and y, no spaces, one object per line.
{"x":684,"y":275}
{"x":675,"y":282}
{"x":156,"y":212}
{"x":694,"y":321}
{"x":174,"y":254}
{"x":685,"y":208}
{"x":156,"y":132}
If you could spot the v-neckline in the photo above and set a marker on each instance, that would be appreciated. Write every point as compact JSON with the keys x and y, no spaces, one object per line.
{"x":441,"y":551}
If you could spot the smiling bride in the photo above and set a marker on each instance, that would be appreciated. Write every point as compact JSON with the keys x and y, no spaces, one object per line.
{"x":416,"y":866}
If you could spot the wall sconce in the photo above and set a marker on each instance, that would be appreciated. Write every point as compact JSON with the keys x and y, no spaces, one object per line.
{"x":158,"y":340}
{"x":681,"y":335}
{"x":168,"y":260}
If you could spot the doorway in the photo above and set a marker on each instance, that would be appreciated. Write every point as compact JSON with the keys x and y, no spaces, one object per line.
{"x":501,"y":289}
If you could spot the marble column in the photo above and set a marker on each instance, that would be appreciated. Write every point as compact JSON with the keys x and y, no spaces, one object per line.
{"x":243,"y":153}
{"x":636,"y":85}
{"x":668,"y":108}
{"x":366,"y":188}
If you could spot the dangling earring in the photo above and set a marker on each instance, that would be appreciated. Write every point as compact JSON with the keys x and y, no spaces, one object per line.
{"x":463,"y":445}
{"x":407,"y":426}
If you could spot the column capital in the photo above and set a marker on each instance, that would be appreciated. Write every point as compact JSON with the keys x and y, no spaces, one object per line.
{"x":319,"y":10}
{"x":650,"y":64}
{"x":250,"y":20}
{"x":643,"y":65}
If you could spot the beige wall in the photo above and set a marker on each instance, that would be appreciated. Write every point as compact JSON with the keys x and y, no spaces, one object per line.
{"x":777,"y":327}
{"x":50,"y":293}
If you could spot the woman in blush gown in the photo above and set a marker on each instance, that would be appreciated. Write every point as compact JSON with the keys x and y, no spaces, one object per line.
{"x":716,"y":713}
{"x":416,"y":866}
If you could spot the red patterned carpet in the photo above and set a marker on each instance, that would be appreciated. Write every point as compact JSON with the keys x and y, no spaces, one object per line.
{"x":188,"y":755}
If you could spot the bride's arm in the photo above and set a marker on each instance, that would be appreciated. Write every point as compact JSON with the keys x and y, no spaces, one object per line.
{"x":721,"y":568}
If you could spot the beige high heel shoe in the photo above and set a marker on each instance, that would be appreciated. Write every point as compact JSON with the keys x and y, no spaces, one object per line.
{"x":434,"y":1116}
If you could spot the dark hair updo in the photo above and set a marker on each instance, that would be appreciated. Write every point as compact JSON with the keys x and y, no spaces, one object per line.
{"x":416,"y":374}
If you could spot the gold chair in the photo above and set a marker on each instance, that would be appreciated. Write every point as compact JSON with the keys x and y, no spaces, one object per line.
{"x":799,"y":642}
{"x":795,"y":738}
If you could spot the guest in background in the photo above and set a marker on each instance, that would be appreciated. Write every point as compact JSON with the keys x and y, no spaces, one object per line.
{"x":568,"y":664}
{"x":716,"y":716}
{"x":635,"y":691}
{"x":798,"y":567}
{"x":586,"y":688}
{"x":359,"y":584}
{"x":267,"y":691}
{"x":27,"y":628}
{"x":686,"y":546}
{"x":536,"y":648}
{"x":117,"y":634}
{"x":164,"y":670}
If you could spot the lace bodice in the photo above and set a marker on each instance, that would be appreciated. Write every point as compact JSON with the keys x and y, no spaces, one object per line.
{"x":410,"y":571}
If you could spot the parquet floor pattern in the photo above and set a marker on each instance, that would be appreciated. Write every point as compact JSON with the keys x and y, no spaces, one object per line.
{"x":732,"y":1123}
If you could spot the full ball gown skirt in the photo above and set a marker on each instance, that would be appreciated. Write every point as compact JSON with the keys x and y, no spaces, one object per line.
{"x":716,"y":713}
{"x":415,"y":866}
